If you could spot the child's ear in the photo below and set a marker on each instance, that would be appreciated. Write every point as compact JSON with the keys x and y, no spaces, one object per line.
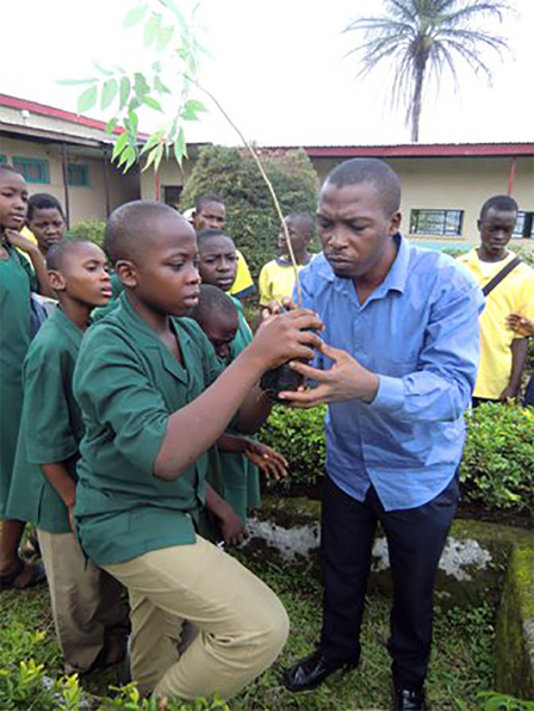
{"x":126,"y":272}
{"x":57,"y":280}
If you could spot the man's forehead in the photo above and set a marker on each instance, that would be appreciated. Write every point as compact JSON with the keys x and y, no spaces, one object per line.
{"x":213,"y":207}
{"x":348,"y":197}
{"x":495,"y":215}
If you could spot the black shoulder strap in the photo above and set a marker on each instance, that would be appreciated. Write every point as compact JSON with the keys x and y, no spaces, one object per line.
{"x":492,"y":283}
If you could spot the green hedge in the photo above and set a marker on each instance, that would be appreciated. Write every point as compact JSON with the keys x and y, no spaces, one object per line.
{"x":232,"y":174}
{"x":497,"y":470}
{"x":91,"y":230}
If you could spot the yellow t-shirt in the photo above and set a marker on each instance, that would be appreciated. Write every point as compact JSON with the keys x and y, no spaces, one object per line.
{"x":277,"y":281}
{"x":26,"y":232}
{"x":243,"y":283}
{"x":514,"y":293}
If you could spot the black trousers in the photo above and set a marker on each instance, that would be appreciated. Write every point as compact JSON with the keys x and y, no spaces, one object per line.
{"x":415,"y":539}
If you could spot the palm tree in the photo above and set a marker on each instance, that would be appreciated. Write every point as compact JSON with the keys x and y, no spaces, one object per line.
{"x":424,"y":37}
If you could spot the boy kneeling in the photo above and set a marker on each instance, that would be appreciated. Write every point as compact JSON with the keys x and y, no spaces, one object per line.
{"x":155,"y":399}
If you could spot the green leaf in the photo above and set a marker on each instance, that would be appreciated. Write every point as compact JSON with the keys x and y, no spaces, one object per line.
{"x":160,"y":86}
{"x":124,"y":92}
{"x":76,"y":82}
{"x":109,"y":92}
{"x":180,"y":19}
{"x":102,"y":69}
{"x":190,"y":109}
{"x":120,"y":145}
{"x":130,"y":157}
{"x":156,"y":66}
{"x":164,"y":37}
{"x":151,"y":141}
{"x":149,"y":101}
{"x":154,"y":157}
{"x":87,"y":99}
{"x":141,"y":86}
{"x":134,"y":122}
{"x":152,"y":27}
{"x":180,"y":150}
{"x":135,"y":15}
{"x":110,"y":126}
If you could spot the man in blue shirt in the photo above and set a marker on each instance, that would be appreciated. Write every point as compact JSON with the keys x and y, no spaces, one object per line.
{"x":401,"y":324}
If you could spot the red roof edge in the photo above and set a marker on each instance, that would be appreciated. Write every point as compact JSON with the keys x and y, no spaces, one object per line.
{"x":422,"y":150}
{"x":44,"y":110}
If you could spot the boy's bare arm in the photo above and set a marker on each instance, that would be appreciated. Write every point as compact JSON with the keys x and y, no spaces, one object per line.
{"x":195,"y":427}
{"x":231,"y":526}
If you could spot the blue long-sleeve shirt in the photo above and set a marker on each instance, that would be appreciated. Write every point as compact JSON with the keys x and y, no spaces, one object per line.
{"x":418,"y":331}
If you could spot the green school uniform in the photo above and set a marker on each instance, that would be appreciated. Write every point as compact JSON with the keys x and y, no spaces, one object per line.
{"x":241,"y":481}
{"x":51,"y":425}
{"x":15,"y":286}
{"x":127,"y":384}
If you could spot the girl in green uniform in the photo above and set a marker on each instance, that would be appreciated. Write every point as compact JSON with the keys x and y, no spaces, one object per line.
{"x":16,"y":282}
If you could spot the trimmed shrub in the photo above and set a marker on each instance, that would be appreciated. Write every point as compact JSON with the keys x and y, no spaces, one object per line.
{"x":497,"y":470}
{"x":498,"y":464}
{"x":233,"y":176}
{"x":91,"y":230}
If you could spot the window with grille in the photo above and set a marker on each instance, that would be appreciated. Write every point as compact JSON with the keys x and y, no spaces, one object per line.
{"x":447,"y":223}
{"x":34,"y":170}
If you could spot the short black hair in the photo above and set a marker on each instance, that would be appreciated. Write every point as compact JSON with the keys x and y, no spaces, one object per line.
{"x":59,"y":250}
{"x":8,"y":168}
{"x":205,"y":199}
{"x":503,"y":203}
{"x":210,"y":233}
{"x":128,"y":227}
{"x":305,"y":218}
{"x":43,"y":201}
{"x":213,"y":301}
{"x":369,"y":170}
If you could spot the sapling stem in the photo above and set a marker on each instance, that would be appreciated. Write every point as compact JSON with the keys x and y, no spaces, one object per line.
{"x":267,"y":182}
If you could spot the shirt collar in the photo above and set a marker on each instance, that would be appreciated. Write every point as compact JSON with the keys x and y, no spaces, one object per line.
{"x":69,"y":328}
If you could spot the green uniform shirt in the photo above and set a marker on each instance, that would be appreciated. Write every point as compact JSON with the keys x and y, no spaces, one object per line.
{"x":127,"y":384}
{"x":51,"y":424}
{"x":239,"y":476}
{"x":15,"y":284}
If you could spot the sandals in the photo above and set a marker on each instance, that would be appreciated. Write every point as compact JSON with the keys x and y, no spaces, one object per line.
{"x":38,"y":576}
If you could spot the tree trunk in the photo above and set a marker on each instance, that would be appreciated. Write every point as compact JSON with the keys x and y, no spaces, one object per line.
{"x":416,"y":101}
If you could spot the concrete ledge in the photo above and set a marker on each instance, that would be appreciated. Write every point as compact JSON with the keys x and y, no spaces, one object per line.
{"x":514,"y":636}
{"x":480,"y":562}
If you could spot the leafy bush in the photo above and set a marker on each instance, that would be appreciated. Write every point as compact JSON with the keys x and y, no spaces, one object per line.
{"x":497,"y":471}
{"x":91,"y":230}
{"x":232,"y":174}
{"x":498,"y":465}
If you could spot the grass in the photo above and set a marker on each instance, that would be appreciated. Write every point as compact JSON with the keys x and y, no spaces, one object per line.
{"x":461,"y":664}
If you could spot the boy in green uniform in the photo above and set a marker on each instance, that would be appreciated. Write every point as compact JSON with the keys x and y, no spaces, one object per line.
{"x":238,"y":457}
{"x":218,"y":267}
{"x":90,"y":619}
{"x":17,"y":280}
{"x":46,"y":220}
{"x":152,"y":403}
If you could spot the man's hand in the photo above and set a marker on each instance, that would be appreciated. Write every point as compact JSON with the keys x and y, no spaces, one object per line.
{"x":346,"y":380}
{"x":271,"y":462}
{"x":509,"y":393}
{"x":520,"y":324}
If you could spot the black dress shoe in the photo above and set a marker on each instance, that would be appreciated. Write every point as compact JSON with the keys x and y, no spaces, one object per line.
{"x":410,"y":700}
{"x":311,"y":671}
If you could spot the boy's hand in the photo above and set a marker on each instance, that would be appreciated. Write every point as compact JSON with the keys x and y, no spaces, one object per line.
{"x":282,"y":337}
{"x":520,"y":324}
{"x":273,"y":307}
{"x":231,"y":526}
{"x":15,"y":239}
{"x":271,"y":462}
{"x":70,"y":510}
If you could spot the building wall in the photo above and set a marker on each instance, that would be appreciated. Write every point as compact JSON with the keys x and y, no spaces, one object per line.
{"x":85,"y":202}
{"x":454,"y":183}
{"x":170,"y":175}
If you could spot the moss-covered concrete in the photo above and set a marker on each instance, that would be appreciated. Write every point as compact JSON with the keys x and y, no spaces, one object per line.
{"x":481,"y":562}
{"x":514,"y":638}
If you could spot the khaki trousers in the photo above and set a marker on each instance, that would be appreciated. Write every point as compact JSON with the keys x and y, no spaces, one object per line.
{"x":242,"y":625}
{"x":86,"y":601}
